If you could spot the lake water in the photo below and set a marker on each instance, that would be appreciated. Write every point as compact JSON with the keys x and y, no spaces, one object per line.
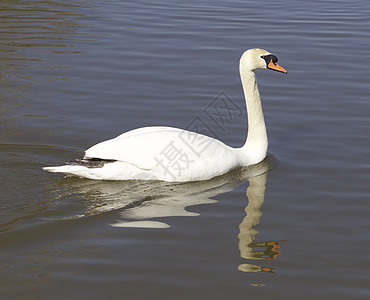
{"x":74,"y":73}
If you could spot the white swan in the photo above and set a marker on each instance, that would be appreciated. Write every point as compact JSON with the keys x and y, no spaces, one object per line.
{"x":177,"y":155}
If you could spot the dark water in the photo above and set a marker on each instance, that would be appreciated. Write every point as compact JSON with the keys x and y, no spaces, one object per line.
{"x":74,"y":73}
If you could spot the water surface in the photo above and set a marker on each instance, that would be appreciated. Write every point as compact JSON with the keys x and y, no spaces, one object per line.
{"x":74,"y":73}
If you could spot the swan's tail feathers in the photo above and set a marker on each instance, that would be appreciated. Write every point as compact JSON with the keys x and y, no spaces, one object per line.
{"x":73,"y":170}
{"x":87,"y":168}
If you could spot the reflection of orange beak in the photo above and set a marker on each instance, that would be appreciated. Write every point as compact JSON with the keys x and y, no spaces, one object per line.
{"x":276,"y":67}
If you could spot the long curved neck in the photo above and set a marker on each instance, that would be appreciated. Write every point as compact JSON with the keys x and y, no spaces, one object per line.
{"x":255,"y":147}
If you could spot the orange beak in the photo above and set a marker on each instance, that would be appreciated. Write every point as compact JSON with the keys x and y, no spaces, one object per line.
{"x":276,"y":67}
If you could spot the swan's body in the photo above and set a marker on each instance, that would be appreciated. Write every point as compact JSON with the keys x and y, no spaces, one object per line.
{"x":172,"y":154}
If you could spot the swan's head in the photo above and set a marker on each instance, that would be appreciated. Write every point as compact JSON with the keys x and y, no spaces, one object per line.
{"x":253,"y":59}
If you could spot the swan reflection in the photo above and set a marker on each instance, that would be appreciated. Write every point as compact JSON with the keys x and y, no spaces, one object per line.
{"x":144,"y":204}
{"x":247,"y":234}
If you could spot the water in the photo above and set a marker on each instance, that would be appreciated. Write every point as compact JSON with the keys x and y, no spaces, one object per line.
{"x":74,"y":73}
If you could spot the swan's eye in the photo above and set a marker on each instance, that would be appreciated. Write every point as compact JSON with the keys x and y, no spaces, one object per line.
{"x":269,"y":58}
